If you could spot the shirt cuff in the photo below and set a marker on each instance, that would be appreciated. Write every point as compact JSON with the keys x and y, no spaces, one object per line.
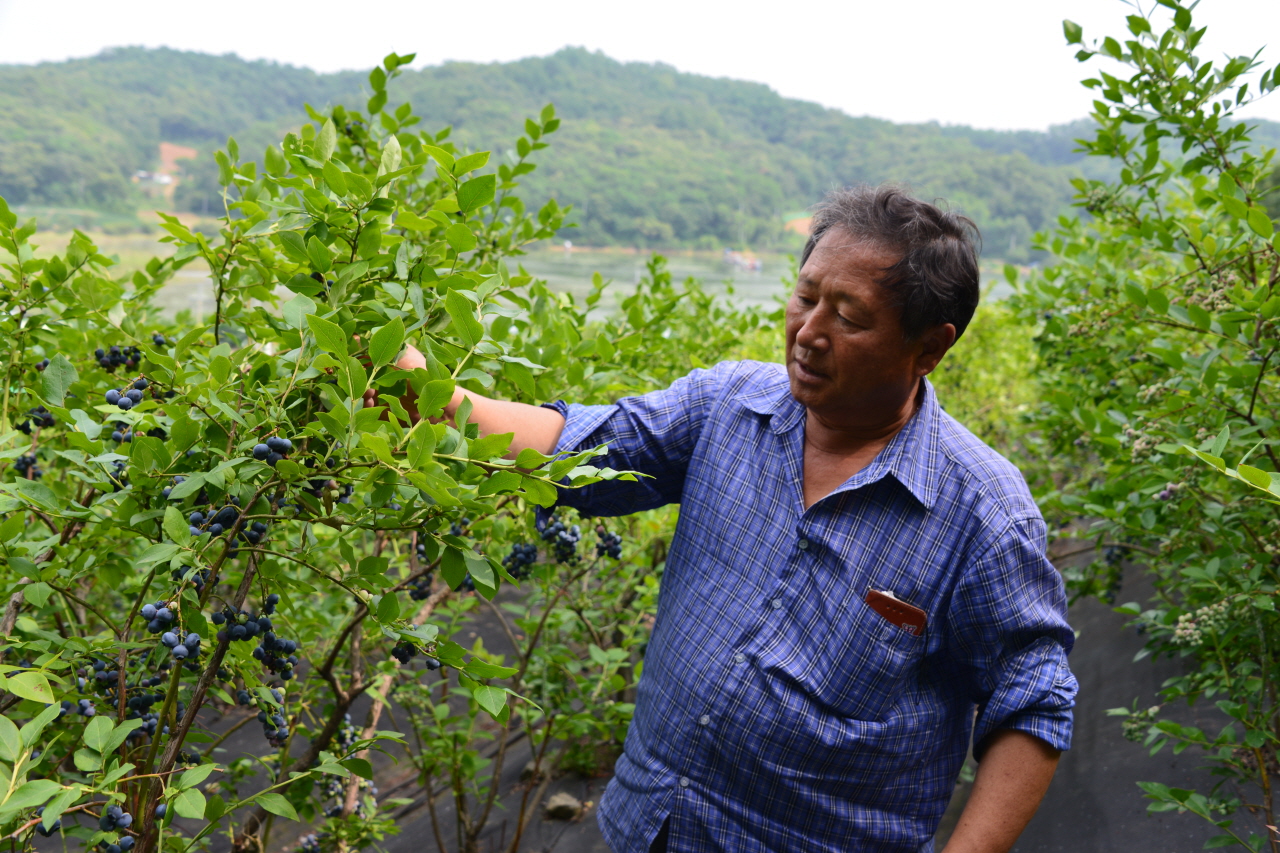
{"x":580,"y":422}
{"x":1035,"y":696}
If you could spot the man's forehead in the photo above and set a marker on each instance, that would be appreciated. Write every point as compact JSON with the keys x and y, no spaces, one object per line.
{"x":842,"y":254}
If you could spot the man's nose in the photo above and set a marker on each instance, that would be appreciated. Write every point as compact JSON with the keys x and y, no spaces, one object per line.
{"x":812,"y":333}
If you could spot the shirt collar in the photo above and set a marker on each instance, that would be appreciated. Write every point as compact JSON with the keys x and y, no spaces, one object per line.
{"x":912,"y":456}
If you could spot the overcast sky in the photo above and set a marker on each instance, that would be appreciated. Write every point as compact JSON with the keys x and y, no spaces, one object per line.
{"x":987,"y":63}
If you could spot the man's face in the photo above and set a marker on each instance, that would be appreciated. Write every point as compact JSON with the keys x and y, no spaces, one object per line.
{"x":846,"y":356}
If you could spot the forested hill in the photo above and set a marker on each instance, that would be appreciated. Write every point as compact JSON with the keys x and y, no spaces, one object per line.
{"x":647,"y":155}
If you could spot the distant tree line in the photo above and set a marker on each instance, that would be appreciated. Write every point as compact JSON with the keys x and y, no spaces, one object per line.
{"x":647,"y":156}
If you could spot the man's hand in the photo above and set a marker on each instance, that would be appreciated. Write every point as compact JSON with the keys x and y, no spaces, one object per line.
{"x":1013,"y":776}
{"x":531,"y":426}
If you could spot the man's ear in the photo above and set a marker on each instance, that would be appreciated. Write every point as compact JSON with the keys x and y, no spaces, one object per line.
{"x":932,"y":346}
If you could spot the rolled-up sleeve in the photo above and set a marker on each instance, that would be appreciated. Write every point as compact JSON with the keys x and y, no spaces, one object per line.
{"x":1009,"y":633}
{"x":652,"y":434}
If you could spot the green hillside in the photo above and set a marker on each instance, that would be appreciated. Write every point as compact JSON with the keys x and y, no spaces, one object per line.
{"x":647,"y":155}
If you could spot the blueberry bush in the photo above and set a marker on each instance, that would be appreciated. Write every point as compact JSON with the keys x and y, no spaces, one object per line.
{"x":1158,"y":343}
{"x":257,"y":517}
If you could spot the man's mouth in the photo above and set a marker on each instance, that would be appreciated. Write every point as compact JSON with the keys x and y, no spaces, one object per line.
{"x":804,"y":371}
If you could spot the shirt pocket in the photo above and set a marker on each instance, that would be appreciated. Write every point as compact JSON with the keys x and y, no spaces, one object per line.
{"x":863,"y":665}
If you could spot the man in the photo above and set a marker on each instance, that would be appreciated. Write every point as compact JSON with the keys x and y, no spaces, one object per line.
{"x":856,"y":586}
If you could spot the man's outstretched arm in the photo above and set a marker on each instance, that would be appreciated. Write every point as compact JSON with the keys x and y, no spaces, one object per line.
{"x":1014,"y":774}
{"x":531,"y":426}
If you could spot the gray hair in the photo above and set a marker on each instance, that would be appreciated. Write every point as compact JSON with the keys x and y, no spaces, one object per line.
{"x":935,"y":278}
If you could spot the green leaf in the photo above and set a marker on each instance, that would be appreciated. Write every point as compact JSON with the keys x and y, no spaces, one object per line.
{"x":422,"y":444}
{"x":31,"y":731}
{"x":31,"y":795}
{"x":540,"y":492}
{"x":1220,"y":443}
{"x":1073,"y":32}
{"x":190,"y":804}
{"x":30,"y":685}
{"x":58,"y":376}
{"x":463,"y":314}
{"x":483,"y":669}
{"x":176,"y":526}
{"x":277,"y":805}
{"x":87,"y":760}
{"x":481,"y":573}
{"x":1199,"y":316}
{"x":391,"y":154}
{"x":119,"y":733}
{"x":328,"y":335}
{"x":453,"y":568}
{"x":327,"y":141}
{"x":318,"y":252}
{"x":1254,"y":476}
{"x":59,"y":804}
{"x":491,"y":699}
{"x":37,"y":593}
{"x":352,"y":378}
{"x":460,"y":237}
{"x":359,"y":766}
{"x":388,"y":608}
{"x":476,"y":193}
{"x":1157,"y":301}
{"x":1258,"y":220}
{"x":196,"y":775}
{"x":10,"y":740}
{"x":503,"y":481}
{"x":157,"y":553}
{"x":97,"y":732}
{"x":296,"y":309}
{"x":385,"y":344}
{"x":334,"y":178}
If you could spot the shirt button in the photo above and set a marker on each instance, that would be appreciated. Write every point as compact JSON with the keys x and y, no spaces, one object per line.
{"x":704,"y":720}
{"x":739,"y":658}
{"x":684,"y":781}
{"x":777,"y":604}
{"x":804,"y":544}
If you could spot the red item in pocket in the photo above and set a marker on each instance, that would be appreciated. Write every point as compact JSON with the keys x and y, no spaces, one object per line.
{"x":908,"y":617}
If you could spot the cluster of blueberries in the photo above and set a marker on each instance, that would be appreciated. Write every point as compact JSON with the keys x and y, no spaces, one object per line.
{"x":275,"y":653}
{"x":124,"y":845}
{"x":158,"y":339}
{"x":114,"y":357}
{"x":83,"y":707}
{"x":215,"y":523}
{"x":114,"y":818}
{"x":42,"y":364}
{"x":404,"y":652}
{"x":122,"y":432}
{"x":198,"y":580}
{"x":522,"y":556}
{"x":127,"y":398}
{"x":272,"y":450}
{"x":420,"y":588}
{"x":159,"y":617}
{"x":274,"y":726}
{"x":608,"y":544}
{"x":37,"y":417}
{"x":310,"y":843}
{"x":27,"y":468}
{"x":117,"y":476}
{"x":181,"y":648}
{"x":564,"y":540}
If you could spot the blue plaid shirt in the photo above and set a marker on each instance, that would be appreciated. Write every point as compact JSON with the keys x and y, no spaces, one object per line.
{"x":776,"y":710}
